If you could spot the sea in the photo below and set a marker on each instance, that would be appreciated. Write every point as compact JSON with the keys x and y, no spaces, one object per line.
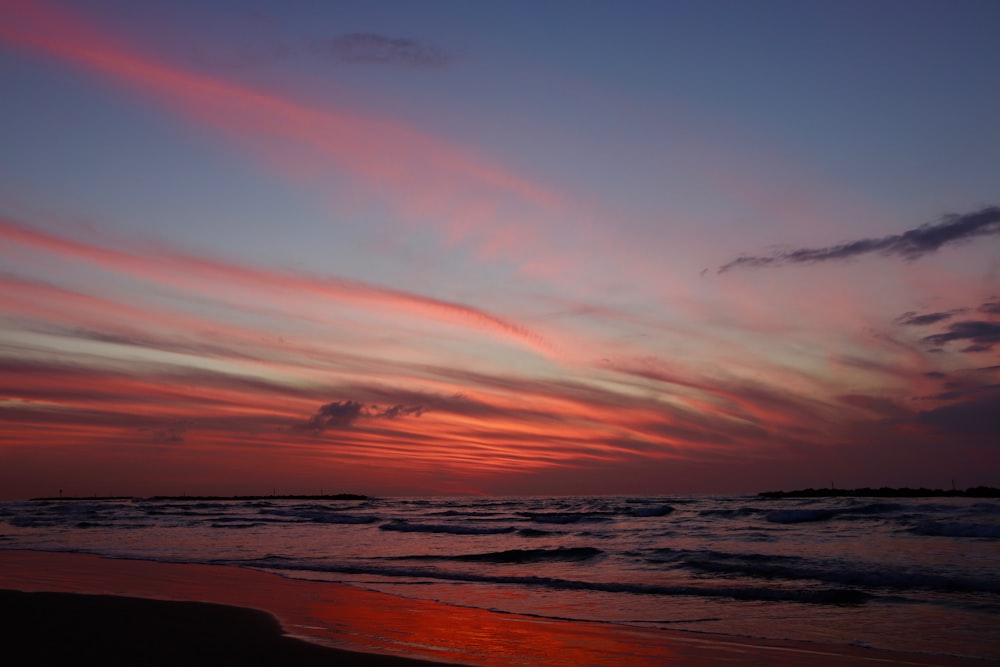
{"x":913,"y":574}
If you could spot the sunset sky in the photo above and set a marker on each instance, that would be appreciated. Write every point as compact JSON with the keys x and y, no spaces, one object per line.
{"x":498,"y":247}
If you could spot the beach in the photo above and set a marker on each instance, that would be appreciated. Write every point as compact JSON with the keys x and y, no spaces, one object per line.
{"x":63,"y":628}
{"x":133,"y":611}
{"x":500,"y":333}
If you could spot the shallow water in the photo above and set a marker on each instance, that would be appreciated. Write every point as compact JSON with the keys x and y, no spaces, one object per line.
{"x":903,"y":574}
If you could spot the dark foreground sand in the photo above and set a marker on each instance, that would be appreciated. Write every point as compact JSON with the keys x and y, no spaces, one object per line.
{"x":145,"y":613}
{"x":72,"y":629}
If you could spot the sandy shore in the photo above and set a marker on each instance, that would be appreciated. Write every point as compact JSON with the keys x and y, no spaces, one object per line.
{"x":71,"y":628}
{"x":343,"y":625}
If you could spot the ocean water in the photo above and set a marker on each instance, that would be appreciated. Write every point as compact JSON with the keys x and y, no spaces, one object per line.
{"x":901,"y":574}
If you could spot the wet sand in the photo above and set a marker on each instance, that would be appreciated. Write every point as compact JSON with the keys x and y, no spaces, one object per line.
{"x":140,"y":612}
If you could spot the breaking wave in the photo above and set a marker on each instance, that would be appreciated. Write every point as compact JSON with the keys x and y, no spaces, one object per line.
{"x":744,"y":593}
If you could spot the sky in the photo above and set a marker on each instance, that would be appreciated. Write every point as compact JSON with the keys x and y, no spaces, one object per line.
{"x":507,"y":248}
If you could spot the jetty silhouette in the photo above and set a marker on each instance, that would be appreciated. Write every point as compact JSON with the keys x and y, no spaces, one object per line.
{"x":886,"y":492}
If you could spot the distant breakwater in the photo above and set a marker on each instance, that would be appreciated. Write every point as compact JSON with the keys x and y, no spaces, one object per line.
{"x":886,"y":492}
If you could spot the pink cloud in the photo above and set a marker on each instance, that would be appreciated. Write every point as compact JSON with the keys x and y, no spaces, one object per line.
{"x":429,"y":177}
{"x":193,"y":272}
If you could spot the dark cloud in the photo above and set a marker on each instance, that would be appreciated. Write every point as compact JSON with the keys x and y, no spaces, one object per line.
{"x":372,"y":49}
{"x":990,"y":307}
{"x":356,"y":48}
{"x":961,"y":390}
{"x":909,"y":245}
{"x":400,"y":411}
{"x":169,"y":436}
{"x":336,"y":415}
{"x":980,"y":335}
{"x":961,"y":384}
{"x":975,"y":418}
{"x":911,"y":319}
{"x":342,"y":414}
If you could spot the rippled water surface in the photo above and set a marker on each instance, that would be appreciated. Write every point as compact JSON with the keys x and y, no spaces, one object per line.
{"x":905,"y":574}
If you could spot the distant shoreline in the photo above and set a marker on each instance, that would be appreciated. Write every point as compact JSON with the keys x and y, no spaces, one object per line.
{"x":335,"y":496}
{"x":886,"y":492}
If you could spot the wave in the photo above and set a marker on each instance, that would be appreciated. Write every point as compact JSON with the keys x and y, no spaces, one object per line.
{"x":800,"y":516}
{"x":450,"y":529}
{"x":47,"y":514}
{"x":737,"y":513}
{"x":535,"y":532}
{"x":28,"y":521}
{"x":601,"y":513}
{"x":824,"y":514}
{"x":520,"y":556}
{"x":837,"y":596}
{"x":983,"y":508}
{"x":318,"y":514}
{"x":938,"y":529}
{"x":567,"y":517}
{"x":796,"y":568}
{"x":661,"y":510}
{"x":472,"y":514}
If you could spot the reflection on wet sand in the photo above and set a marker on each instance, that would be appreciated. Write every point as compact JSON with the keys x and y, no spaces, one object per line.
{"x":355,"y":619}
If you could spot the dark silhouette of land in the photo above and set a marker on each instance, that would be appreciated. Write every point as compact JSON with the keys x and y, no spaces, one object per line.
{"x":886,"y":492}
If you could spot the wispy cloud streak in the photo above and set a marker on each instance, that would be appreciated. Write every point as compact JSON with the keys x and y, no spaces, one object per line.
{"x":909,"y":245}
{"x":982,"y":336}
{"x":912,"y":319}
{"x":979,"y":334}
{"x":173,"y":268}
{"x":355,"y":48}
{"x":373,"y":49}
{"x":427,"y":174}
